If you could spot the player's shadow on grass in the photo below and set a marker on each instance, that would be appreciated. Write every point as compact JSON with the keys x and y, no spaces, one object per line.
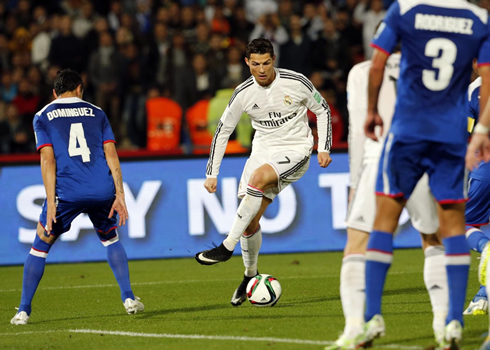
{"x":294,"y":303}
{"x":398,"y":291}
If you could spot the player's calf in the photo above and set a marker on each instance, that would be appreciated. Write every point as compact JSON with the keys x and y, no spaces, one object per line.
{"x":33,"y":272}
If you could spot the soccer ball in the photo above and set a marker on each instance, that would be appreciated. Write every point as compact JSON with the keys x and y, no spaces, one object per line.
{"x":264,"y":290}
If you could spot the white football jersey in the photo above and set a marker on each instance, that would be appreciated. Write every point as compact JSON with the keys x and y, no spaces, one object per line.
{"x":361,"y":148}
{"x":278,"y":115}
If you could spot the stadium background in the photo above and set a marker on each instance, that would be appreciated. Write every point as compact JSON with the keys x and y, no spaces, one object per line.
{"x":163,"y":71}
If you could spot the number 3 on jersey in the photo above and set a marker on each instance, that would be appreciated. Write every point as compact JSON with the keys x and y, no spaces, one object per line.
{"x":444,"y":63}
{"x":77,"y":136}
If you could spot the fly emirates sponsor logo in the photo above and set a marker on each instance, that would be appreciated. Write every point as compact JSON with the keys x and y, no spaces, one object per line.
{"x":70,"y":112}
{"x":276,"y":120}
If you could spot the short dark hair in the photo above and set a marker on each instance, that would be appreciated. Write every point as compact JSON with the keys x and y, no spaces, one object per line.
{"x":259,"y":46}
{"x":67,"y":80}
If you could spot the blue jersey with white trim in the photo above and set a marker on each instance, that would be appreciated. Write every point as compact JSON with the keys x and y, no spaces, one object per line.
{"x":483,"y":170}
{"x":77,"y":131}
{"x":439,"y":40}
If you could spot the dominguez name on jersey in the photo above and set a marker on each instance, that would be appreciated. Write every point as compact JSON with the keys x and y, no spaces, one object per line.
{"x":70,"y":112}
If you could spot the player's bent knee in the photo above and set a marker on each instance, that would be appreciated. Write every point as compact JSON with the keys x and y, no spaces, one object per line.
{"x":430,"y":239}
{"x":263,"y":177}
{"x":44,"y":236}
{"x":251,"y":230}
{"x":40,"y":248}
{"x":109,"y":237}
{"x":357,"y":242}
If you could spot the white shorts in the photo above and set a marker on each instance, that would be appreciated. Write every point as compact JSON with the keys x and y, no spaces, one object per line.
{"x":290,"y":166}
{"x":421,"y":205}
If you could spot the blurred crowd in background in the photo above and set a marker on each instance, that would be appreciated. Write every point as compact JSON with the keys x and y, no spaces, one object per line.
{"x":141,"y":58}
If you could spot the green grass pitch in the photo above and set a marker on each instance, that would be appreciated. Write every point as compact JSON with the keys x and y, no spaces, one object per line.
{"x":77,"y":306}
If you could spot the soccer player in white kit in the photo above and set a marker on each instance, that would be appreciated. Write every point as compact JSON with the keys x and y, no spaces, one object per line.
{"x":364,"y":155}
{"x":277,"y":101}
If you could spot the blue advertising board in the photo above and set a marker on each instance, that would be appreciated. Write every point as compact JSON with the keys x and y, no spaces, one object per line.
{"x":172,"y":215}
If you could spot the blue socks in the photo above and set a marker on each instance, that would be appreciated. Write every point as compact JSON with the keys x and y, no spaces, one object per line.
{"x":118,"y":261}
{"x":457,"y":266}
{"x":476,"y":239}
{"x":33,"y":272}
{"x":379,"y":257}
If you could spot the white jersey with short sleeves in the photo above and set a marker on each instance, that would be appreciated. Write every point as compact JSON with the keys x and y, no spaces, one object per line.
{"x":278,"y":115}
{"x":361,"y":148}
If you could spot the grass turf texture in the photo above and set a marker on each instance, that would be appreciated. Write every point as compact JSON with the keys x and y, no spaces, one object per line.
{"x":184,"y":298}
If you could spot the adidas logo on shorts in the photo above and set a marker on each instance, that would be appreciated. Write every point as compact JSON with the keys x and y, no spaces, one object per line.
{"x":255,"y":107}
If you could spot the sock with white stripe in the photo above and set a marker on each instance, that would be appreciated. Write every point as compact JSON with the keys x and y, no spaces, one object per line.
{"x":250,"y":251}
{"x":248,"y":208}
{"x":118,"y":261}
{"x":33,"y":272}
{"x":352,"y":285}
{"x":457,"y":267}
{"x":379,"y":257}
{"x":435,"y":278}
{"x":476,"y":239}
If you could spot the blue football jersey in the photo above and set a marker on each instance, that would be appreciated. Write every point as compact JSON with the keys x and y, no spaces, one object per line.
{"x":77,"y":131}
{"x":483,"y":170}
{"x":439,"y":39}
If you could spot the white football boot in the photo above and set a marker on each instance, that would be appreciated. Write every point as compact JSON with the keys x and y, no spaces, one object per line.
{"x":20,"y":318}
{"x":133,"y":306}
{"x":453,"y":334}
{"x":344,"y":343}
{"x":479,"y":307}
{"x":373,"y":329}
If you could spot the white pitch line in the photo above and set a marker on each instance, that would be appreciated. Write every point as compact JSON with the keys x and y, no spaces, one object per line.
{"x":201,"y":336}
{"x":157,"y":282}
{"x":229,"y":337}
{"x":29,"y":332}
{"x":206,"y":337}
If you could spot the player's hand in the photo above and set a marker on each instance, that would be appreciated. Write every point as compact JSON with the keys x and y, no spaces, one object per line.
{"x":50,"y":218}
{"x":478,"y":150}
{"x":324,"y":159}
{"x":372,"y":121}
{"x":119,"y":206}
{"x":210,"y":184}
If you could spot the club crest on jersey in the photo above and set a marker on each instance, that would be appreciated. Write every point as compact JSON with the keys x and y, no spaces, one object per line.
{"x":288,"y":100}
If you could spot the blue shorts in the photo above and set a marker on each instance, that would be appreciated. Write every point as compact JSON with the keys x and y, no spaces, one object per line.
{"x":404,"y":161}
{"x":66,"y":212}
{"x":478,"y":207}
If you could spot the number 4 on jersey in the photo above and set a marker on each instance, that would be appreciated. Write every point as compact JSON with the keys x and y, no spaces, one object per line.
{"x":77,"y":136}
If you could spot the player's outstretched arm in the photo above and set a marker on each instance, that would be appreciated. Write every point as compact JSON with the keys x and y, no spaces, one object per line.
{"x":119,"y":204}
{"x":48,"y":170}
{"x":324,"y":159}
{"x":479,"y":147}
{"x":211,"y":184}
{"x":376,"y":73}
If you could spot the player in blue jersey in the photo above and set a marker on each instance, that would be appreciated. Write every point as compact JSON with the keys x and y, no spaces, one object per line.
{"x":439,"y":40}
{"x":81,"y":174}
{"x":478,"y":206}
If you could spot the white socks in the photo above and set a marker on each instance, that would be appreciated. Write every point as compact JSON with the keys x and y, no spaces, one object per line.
{"x":248,"y":208}
{"x":250,"y":251}
{"x":352,"y":285}
{"x":435,"y":278}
